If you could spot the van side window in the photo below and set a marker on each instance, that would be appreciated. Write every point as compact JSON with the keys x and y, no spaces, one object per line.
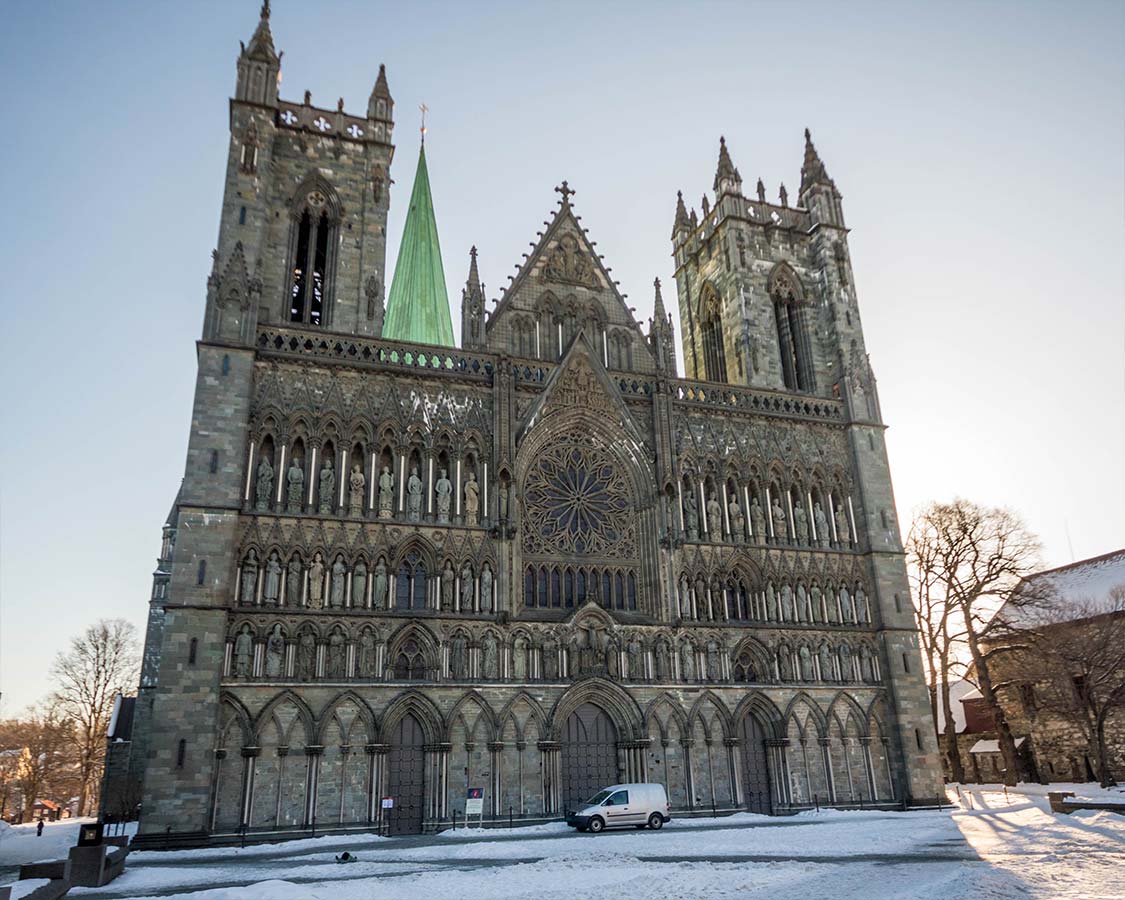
{"x":618,"y":798}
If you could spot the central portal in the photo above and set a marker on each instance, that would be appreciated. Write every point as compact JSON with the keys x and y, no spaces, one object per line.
{"x":406,"y":781}
{"x":589,"y":755}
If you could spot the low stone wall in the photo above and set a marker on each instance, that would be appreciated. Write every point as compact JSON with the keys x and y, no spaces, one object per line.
{"x":1060,"y":804}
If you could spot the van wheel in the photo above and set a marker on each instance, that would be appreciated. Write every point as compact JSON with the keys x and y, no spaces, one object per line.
{"x":595,"y":824}
{"x":655,"y":822}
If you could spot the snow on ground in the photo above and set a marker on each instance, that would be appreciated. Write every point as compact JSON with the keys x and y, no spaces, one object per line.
{"x":19,"y":844}
{"x":1003,"y":848}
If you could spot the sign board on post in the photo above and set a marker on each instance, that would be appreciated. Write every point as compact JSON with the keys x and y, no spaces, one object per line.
{"x":388,"y":803}
{"x":474,"y":802}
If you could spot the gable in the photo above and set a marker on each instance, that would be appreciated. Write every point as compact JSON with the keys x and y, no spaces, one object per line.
{"x":563,"y":282}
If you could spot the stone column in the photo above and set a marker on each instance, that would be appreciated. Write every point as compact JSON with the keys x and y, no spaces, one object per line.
{"x":313,"y":752}
{"x":732,"y":744}
{"x":826,"y":762}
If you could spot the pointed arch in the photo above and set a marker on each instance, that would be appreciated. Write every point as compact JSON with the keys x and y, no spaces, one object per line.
{"x":764,"y":710}
{"x":845,"y":706}
{"x":366,"y":714}
{"x":304,"y":715}
{"x":416,"y":703}
{"x":711,"y":326}
{"x":231,"y":705}
{"x":676,"y":711}
{"x":475,"y":699}
{"x":709,"y":699}
{"x":533,"y":705}
{"x":618,"y":704}
{"x":816,"y":714}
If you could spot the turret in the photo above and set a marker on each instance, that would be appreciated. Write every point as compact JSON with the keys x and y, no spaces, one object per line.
{"x":380,"y":105}
{"x":661,"y":335}
{"x":727,"y":179}
{"x":472,"y":307}
{"x":682,"y":225}
{"x":818,"y":192}
{"x":259,"y":65}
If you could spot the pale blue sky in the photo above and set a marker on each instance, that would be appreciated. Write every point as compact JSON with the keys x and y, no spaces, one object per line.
{"x":979,"y":149}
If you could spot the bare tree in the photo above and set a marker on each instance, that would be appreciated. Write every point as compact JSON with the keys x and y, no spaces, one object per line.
{"x":979,"y":557}
{"x":101,"y":662}
{"x":45,"y":762}
{"x":1079,"y":659}
{"x":941,"y":633}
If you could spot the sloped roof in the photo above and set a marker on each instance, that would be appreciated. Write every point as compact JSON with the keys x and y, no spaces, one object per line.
{"x":418,"y":304}
{"x":1079,"y":585}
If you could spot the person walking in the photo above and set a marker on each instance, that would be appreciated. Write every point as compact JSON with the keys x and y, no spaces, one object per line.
{"x":39,"y":829}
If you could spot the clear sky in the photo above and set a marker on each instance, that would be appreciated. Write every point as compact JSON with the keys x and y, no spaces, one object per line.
{"x":979,"y":149}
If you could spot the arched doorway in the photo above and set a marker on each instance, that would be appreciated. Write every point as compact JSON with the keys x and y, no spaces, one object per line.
{"x":756,"y":771}
{"x":405,"y":777}
{"x":589,"y":754}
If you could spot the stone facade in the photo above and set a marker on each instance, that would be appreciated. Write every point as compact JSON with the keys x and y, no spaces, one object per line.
{"x":536,"y":564}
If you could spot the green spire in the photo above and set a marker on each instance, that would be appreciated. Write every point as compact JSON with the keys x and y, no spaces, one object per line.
{"x":418,"y":305}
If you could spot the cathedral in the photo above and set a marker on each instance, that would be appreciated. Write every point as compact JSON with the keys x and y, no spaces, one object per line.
{"x":533,"y":562}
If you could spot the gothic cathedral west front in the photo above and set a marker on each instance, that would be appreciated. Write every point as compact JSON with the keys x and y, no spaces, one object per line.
{"x":537,"y":563}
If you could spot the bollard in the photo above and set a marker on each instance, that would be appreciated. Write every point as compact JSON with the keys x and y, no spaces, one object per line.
{"x":510,"y":825}
{"x":712,"y":806}
{"x":1006,"y":800}
{"x":167,"y":837}
{"x":455,"y":820}
{"x":816,"y":800}
{"x":314,"y":826}
{"x":242,"y":834}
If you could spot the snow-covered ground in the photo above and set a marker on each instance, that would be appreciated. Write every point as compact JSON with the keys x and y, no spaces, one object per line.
{"x":1002,"y":849}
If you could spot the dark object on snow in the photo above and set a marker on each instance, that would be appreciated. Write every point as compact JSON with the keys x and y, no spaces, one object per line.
{"x":345,"y":857}
{"x":39,"y":829}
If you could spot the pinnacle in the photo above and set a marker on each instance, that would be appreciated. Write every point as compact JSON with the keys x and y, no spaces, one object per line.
{"x":726,"y":170}
{"x":261,"y":44}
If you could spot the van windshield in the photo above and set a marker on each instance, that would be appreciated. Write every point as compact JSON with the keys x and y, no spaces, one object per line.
{"x":597,"y":798}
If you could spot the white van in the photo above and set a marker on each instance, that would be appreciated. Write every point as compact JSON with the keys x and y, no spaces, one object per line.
{"x":623,"y":804}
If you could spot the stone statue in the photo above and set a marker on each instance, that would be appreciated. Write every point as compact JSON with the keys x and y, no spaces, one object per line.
{"x":263,"y":489}
{"x":502,"y":501}
{"x":636,"y":660}
{"x":687,"y":661}
{"x":249,"y":579}
{"x":691,"y":516}
{"x":701,"y":599}
{"x":326,"y":489}
{"x":784,"y":665}
{"x":718,"y":603}
{"x":447,"y":579}
{"x":414,"y":495}
{"x":757,"y":521}
{"x":833,"y":609}
{"x":780,"y":526}
{"x":663,"y":670}
{"x":316,"y":583}
{"x":714,"y":518}
{"x":820,"y":521}
{"x":272,"y":589}
{"x":293,"y":585}
{"x":847,"y":611}
{"x":243,"y":653}
{"x":685,"y":598}
{"x":379,"y":598}
{"x":467,"y":588}
{"x":275,"y":653}
{"x":339,"y":575}
{"x":805,"y":658}
{"x":444,"y":491}
{"x":713,"y":673}
{"x":294,"y":486}
{"x":457,"y":657}
{"x":866,"y":669}
{"x":336,"y":662}
{"x":815,"y":598}
{"x":827,"y":670}
{"x":488,"y":658}
{"x":519,"y":659}
{"x":845,"y":662}
{"x":843,"y":532}
{"x":861,"y":606}
{"x":365,"y":658}
{"x":306,"y":656}
{"x":802,"y":604}
{"x":771,"y":604}
{"x":486,"y":589}
{"x":737,"y":521}
{"x":386,"y":493}
{"x":612,"y":660}
{"x":550,"y":659}
{"x":356,"y":483}
{"x":801,"y":524}
{"x":359,"y":584}
{"x":472,"y":499}
{"x":787,"y":603}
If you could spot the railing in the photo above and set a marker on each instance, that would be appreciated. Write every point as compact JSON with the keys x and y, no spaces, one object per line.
{"x":724,"y":396}
{"x":377,"y":352}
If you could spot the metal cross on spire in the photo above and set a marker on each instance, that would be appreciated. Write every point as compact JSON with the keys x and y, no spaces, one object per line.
{"x":425,"y":109}
{"x":566,"y":192}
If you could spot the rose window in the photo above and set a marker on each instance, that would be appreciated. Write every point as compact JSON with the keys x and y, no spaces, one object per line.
{"x":577,"y":502}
